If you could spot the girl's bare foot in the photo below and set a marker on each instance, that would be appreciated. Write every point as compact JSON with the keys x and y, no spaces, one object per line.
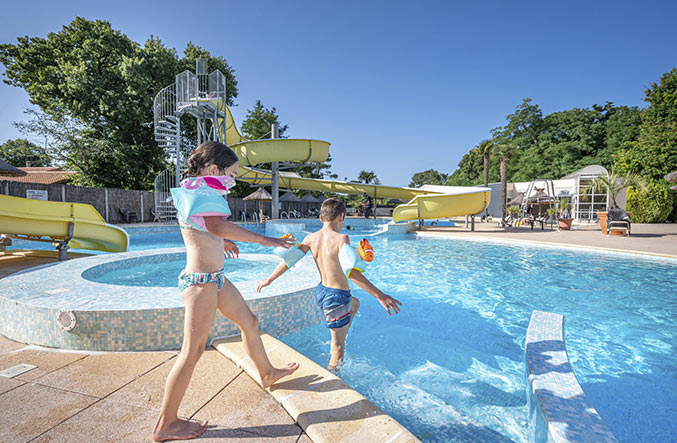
{"x":268,"y":380}
{"x":179,"y":430}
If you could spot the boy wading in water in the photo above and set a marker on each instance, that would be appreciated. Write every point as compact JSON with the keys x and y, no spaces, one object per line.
{"x":202,"y":212}
{"x":333,"y":293}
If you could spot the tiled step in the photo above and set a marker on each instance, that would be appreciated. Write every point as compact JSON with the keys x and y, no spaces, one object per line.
{"x":325,"y":407}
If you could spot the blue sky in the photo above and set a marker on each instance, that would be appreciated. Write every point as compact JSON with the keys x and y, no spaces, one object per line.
{"x":396,"y":87}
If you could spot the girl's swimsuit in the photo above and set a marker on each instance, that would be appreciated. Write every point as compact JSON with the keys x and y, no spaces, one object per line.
{"x":199,"y":197}
{"x":187,"y":279}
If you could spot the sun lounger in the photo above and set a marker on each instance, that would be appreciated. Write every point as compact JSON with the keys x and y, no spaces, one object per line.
{"x":617,"y":220}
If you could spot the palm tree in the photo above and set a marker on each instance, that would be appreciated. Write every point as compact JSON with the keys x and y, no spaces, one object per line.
{"x":368,"y":177}
{"x":505,"y":152}
{"x":614,"y":183}
{"x":485,"y":149}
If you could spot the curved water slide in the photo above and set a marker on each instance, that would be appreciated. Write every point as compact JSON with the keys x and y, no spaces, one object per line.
{"x":203,"y":96}
{"x":254,"y":152}
{"x":424,"y":203}
{"x":76,"y":224}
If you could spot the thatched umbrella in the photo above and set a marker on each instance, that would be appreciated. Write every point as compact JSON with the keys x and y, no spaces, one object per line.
{"x":672,"y":178}
{"x":308,"y":199}
{"x":260,"y":195}
{"x":289,"y":197}
{"x":10,"y":171}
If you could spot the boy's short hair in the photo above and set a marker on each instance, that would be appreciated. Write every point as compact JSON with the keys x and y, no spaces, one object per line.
{"x":331,"y":208}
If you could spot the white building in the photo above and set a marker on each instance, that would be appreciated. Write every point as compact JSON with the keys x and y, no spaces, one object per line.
{"x":575,"y":187}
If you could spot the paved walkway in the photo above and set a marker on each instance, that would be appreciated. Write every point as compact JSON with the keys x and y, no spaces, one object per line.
{"x":87,"y":397}
{"x":655,"y":239}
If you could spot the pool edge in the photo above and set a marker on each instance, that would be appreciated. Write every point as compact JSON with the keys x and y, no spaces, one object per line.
{"x":558,"y":408}
{"x":307,"y":393}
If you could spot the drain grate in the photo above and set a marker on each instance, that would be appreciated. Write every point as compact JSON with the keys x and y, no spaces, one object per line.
{"x":17,"y":370}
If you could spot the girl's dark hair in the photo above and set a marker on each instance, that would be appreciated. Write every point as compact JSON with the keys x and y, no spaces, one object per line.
{"x":209,"y":153}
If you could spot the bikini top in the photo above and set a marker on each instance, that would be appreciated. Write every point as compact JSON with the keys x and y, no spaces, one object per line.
{"x":200,"y":197}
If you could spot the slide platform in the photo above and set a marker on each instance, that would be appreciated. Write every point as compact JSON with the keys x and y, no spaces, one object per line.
{"x":52,"y":221}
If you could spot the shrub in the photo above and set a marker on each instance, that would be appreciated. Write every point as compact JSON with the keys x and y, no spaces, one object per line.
{"x":650,"y":205}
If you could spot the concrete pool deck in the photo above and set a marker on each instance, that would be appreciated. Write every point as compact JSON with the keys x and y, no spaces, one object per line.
{"x":83,"y":396}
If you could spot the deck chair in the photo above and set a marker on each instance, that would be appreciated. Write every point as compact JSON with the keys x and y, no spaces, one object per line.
{"x":617,"y":220}
{"x":128,"y":215}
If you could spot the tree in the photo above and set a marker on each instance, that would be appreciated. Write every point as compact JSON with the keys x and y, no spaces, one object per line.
{"x":20,"y":152}
{"x":429,"y":177}
{"x":505,"y":151}
{"x":258,"y":122}
{"x":654,"y":154}
{"x":469,"y":170}
{"x":368,"y":177}
{"x":615,"y":183}
{"x":103,"y":84}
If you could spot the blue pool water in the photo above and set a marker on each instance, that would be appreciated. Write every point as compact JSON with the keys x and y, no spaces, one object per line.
{"x":450,"y":366}
{"x":165,"y":273}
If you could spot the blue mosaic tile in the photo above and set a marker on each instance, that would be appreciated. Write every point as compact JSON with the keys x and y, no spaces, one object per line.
{"x":558,"y":408}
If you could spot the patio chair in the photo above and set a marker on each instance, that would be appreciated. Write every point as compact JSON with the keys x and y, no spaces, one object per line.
{"x":617,"y":220}
{"x":128,"y":215}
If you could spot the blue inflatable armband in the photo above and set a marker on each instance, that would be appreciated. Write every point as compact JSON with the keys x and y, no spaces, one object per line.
{"x":349,"y":260}
{"x":193,"y":205}
{"x":290,"y":256}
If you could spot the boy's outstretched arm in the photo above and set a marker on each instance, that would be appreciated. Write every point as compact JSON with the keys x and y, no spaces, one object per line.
{"x":386,"y":301}
{"x":281,"y":269}
{"x":229,"y":230}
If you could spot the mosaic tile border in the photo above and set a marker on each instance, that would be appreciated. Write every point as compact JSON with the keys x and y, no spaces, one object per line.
{"x":559,"y":410}
{"x":285,"y":307}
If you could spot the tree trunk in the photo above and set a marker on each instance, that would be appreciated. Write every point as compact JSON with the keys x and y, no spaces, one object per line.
{"x":504,"y":185}
{"x":486,"y":179}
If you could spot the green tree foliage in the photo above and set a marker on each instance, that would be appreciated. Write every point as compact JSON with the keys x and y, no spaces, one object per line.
{"x":368,"y":177}
{"x":654,"y":153}
{"x":429,"y":177}
{"x":20,"y":152}
{"x":469,"y":171}
{"x":102,"y":84}
{"x":649,"y":204}
{"x":555,"y":145}
{"x":258,"y":122}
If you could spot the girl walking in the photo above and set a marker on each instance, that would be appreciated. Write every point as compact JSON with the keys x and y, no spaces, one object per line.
{"x":202,"y":210}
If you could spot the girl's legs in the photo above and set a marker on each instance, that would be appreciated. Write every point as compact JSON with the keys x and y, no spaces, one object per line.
{"x":234,"y":308}
{"x":201,"y":302}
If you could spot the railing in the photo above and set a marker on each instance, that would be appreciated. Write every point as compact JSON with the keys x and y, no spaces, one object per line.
{"x":164,"y":105}
{"x":164,"y":207}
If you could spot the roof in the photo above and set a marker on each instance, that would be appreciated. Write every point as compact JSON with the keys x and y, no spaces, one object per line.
{"x":588,"y":170}
{"x":8,"y":170}
{"x":289,"y":197}
{"x":259,"y":194}
{"x":45,"y":175}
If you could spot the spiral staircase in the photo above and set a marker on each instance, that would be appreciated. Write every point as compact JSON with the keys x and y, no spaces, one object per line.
{"x":199,"y":95}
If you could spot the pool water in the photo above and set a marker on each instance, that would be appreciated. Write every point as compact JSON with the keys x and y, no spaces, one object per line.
{"x":166,"y":273}
{"x":450,"y":366}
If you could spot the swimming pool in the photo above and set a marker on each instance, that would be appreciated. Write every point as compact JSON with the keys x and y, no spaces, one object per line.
{"x":451,"y":365}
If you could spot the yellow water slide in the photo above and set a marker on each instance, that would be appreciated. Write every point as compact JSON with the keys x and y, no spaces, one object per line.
{"x":424,"y":203}
{"x":79,"y":224}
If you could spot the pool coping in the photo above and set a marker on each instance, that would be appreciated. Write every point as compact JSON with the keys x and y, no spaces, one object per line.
{"x":511,"y":241}
{"x":142,"y":328}
{"x":326,"y":408}
{"x":559,"y":410}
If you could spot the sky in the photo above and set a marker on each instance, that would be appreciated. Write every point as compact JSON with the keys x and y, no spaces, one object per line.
{"x":396,"y":87}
